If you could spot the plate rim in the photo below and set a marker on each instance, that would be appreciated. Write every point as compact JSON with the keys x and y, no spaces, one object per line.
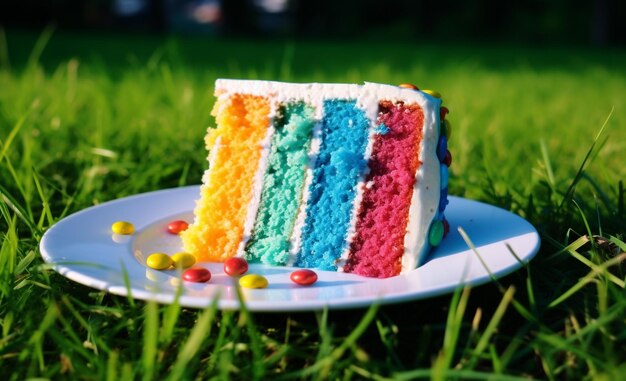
{"x":261,"y":306}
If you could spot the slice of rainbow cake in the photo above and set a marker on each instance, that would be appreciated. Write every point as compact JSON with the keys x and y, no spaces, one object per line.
{"x":336,"y":177}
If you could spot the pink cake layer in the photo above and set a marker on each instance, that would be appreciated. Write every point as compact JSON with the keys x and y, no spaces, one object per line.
{"x":378,"y":245}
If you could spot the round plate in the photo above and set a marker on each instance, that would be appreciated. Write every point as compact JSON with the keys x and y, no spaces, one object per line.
{"x":83,"y":248}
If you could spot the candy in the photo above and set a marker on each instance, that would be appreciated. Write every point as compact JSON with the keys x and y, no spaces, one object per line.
{"x":177,"y":226}
{"x":435,"y":235}
{"x":443,"y":199}
{"x":447,"y":128}
{"x":447,"y":160}
{"x":443,"y":111}
{"x":123,"y":227}
{"x":443,"y":174}
{"x":442,"y":148}
{"x":446,"y":227}
{"x":183,"y":260}
{"x":159,"y":261}
{"x":235,"y":266}
{"x":433,"y":93}
{"x":408,"y":86}
{"x":197,"y":275}
{"x":253,"y":281}
{"x":303,"y":277}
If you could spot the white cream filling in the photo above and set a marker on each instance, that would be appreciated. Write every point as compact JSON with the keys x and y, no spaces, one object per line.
{"x":425,"y":198}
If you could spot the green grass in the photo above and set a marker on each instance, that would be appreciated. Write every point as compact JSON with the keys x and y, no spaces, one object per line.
{"x":89,"y":118}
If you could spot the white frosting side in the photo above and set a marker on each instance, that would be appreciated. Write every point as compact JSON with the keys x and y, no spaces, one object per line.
{"x":426,"y":193}
{"x":425,"y":198}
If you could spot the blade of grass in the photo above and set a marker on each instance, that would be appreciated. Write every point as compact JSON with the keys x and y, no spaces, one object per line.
{"x":547,"y":164}
{"x":150,"y":336}
{"x":591,"y":153}
{"x":491,"y":327}
{"x":200,"y":331}
{"x":443,"y":363}
{"x":596,"y":271}
{"x":40,"y":45}
{"x":4,"y":51}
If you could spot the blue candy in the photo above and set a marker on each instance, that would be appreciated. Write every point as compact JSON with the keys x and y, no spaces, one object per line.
{"x":443,"y":199}
{"x":444,"y":176}
{"x":442,"y":148}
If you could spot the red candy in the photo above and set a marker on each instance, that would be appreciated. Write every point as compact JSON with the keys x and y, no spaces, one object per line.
{"x":197,"y":274}
{"x":446,"y":227}
{"x":177,"y":226}
{"x":235,"y":266}
{"x":303,"y":277}
{"x":447,"y":160}
{"x":443,"y":111}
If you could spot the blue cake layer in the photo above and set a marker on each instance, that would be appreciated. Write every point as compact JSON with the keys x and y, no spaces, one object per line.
{"x":340,"y":163}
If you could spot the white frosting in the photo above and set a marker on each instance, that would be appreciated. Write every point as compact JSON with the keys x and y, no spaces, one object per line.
{"x":426,"y":193}
{"x":425,"y":198}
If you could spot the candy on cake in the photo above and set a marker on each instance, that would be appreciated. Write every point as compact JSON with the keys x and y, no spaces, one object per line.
{"x":337,"y":177}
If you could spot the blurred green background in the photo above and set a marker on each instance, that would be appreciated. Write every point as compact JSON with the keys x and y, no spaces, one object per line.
{"x":580,"y":22}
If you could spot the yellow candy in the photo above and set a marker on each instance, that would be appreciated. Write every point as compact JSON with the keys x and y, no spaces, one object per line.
{"x":159,"y":261}
{"x":183,"y":260}
{"x":433,"y":93}
{"x":447,"y":128}
{"x":122,"y":227}
{"x":253,"y":281}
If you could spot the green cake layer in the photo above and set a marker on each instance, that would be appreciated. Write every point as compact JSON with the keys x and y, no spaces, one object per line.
{"x":282,"y":185}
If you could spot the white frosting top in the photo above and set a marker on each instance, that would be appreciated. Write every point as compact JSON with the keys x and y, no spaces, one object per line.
{"x":425,"y":198}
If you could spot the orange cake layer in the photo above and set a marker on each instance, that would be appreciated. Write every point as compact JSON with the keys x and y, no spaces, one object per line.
{"x":235,"y":151}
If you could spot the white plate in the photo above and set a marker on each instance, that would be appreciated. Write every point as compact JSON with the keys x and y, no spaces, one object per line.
{"x":82,"y":248}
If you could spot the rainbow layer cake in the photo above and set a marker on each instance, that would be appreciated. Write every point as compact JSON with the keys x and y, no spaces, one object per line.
{"x":336,"y":177}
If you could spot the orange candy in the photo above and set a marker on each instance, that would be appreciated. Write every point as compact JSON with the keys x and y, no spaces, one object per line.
{"x":408,"y":86}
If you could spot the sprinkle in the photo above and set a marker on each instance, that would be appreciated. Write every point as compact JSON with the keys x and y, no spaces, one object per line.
{"x":382,"y":129}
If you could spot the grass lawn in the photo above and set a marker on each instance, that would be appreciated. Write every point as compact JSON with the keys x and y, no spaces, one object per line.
{"x":90,"y":118}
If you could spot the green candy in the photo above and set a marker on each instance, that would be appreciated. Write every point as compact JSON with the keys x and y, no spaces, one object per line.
{"x":435,"y":235}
